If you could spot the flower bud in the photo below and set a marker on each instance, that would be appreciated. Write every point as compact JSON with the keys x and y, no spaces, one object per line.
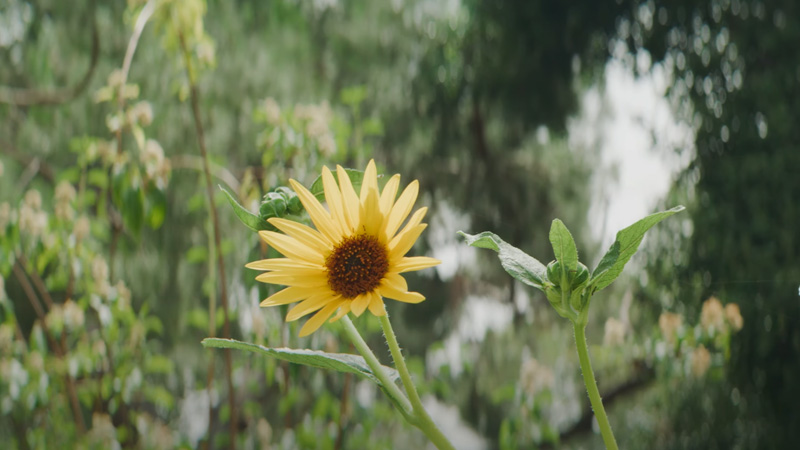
{"x":274,"y":205}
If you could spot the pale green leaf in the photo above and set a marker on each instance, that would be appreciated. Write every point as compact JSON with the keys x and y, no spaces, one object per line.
{"x":342,"y":362}
{"x":563,"y":246}
{"x":621,"y":251}
{"x":517,"y":263}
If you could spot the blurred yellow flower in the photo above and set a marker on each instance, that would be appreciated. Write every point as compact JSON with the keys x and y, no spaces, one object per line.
{"x":734,"y":316}
{"x":670,"y":323}
{"x":355,"y":256}
{"x":712,"y":316}
{"x":701,"y":360}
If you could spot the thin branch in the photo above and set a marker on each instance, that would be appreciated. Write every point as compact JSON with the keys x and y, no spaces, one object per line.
{"x":37,"y":281}
{"x":226,"y":328}
{"x":30,"y":97}
{"x":196,"y":163}
{"x":20,"y":273}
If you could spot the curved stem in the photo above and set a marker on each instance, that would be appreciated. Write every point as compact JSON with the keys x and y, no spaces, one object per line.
{"x":591,"y":387}
{"x":423,"y":419}
{"x":377,"y":368}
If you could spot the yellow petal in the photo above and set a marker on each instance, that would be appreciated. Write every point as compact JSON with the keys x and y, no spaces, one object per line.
{"x":370,"y":180}
{"x":289,"y":295}
{"x":360,"y":303}
{"x":294,"y":278}
{"x":349,"y":197}
{"x":335,"y":203}
{"x":310,"y":305}
{"x":371,"y":219}
{"x":407,"y":297}
{"x":389,"y":194}
{"x":320,"y":217}
{"x":376,"y":306}
{"x":412,"y":263}
{"x":403,"y":242}
{"x":319,"y":318}
{"x":343,"y":309}
{"x":281,"y":264}
{"x":302,"y":233}
{"x":401,"y":208}
{"x":395,"y":281}
{"x":291,"y":247}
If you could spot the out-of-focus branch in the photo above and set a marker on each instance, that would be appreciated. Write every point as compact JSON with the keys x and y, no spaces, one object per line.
{"x":20,"y":274}
{"x":36,"y":96}
{"x":196,"y":163}
{"x":194,"y":95}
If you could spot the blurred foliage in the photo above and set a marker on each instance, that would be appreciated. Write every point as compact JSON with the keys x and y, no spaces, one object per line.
{"x":734,"y":66}
{"x":471,"y":98}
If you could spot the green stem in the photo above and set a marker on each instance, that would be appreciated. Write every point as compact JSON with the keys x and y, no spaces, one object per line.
{"x":423,"y":419}
{"x":591,"y":387}
{"x":377,"y":368}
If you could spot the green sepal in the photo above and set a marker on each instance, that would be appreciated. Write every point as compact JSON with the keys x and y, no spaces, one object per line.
{"x":517,"y":263}
{"x":249,"y":219}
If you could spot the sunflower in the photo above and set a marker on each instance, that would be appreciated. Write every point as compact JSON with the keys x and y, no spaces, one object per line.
{"x":355,"y":256}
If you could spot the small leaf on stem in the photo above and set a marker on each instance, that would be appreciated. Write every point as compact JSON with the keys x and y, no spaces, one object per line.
{"x":517,"y":263}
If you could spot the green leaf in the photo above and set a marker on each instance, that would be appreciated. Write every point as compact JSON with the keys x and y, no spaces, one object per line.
{"x":133,"y":210}
{"x":249,"y":219}
{"x":563,"y":246}
{"x":517,"y":263}
{"x":621,"y":251}
{"x":356,"y":177}
{"x":342,"y":362}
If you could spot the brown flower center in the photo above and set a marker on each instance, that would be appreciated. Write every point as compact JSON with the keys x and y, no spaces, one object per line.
{"x":357,"y":265}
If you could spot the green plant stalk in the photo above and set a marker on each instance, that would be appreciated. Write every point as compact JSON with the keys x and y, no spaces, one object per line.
{"x":591,"y":387}
{"x":422,"y":420}
{"x":375,"y":365}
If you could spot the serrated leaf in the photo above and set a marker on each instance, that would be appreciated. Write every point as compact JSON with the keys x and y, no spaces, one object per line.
{"x":249,"y":219}
{"x":356,"y":177}
{"x":342,"y":362}
{"x":563,"y":246}
{"x":623,"y":248}
{"x":517,"y":263}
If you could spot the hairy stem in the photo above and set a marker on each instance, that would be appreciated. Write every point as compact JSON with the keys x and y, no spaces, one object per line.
{"x":591,"y":387}
{"x":377,"y":369}
{"x":423,"y":419}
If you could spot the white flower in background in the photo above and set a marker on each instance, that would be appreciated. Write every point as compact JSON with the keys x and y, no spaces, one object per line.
{"x":535,"y":377}
{"x":33,"y":199}
{"x":81,"y":228}
{"x":614,"y":332}
{"x":272,"y":112}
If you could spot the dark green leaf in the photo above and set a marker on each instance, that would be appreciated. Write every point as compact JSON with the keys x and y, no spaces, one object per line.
{"x":621,"y":251}
{"x":342,"y":362}
{"x":517,"y":263}
{"x":249,"y":219}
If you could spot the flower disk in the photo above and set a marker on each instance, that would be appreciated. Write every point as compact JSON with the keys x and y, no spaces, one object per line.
{"x":356,"y":266}
{"x":354,"y":257}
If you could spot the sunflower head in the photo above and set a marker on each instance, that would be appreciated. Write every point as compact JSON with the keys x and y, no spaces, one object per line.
{"x":354,"y":257}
